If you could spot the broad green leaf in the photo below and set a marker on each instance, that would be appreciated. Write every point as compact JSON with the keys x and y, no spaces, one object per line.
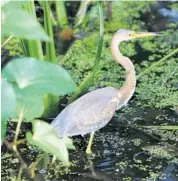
{"x":18,"y":23}
{"x":34,"y":79}
{"x":45,"y":137}
{"x":13,"y":3}
{"x":7,"y":105}
{"x":4,"y":2}
{"x":37,"y":78}
{"x":30,"y":109}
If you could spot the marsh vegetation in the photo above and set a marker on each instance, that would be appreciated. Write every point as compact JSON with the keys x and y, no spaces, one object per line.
{"x":51,"y":55}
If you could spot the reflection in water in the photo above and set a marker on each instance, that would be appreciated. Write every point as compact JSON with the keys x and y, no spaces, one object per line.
{"x":96,"y":174}
{"x":169,"y":169}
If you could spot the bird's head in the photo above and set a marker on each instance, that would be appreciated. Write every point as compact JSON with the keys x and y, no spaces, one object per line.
{"x":125,"y":34}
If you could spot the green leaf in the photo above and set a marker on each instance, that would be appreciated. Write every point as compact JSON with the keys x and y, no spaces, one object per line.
{"x":50,"y":48}
{"x":4,"y":2}
{"x":13,"y":3}
{"x":18,"y":23}
{"x":37,"y":78}
{"x":45,"y":137}
{"x":34,"y":79}
{"x":8,"y":104}
{"x":30,"y":108}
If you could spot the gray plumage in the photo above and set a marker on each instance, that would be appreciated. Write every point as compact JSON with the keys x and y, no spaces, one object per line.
{"x":87,"y":114}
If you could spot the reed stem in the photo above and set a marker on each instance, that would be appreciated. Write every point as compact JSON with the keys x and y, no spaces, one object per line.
{"x":149,"y":69}
{"x":89,"y":79}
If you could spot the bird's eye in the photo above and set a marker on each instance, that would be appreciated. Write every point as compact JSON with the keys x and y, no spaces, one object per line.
{"x":129,"y":34}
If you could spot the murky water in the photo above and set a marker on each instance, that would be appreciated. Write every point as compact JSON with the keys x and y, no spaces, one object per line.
{"x":119,"y":153}
{"x":118,"y":148}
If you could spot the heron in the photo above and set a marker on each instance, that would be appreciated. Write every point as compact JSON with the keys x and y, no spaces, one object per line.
{"x":95,"y":109}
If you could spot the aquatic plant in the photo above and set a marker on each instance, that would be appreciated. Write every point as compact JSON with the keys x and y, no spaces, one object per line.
{"x":61,"y":13}
{"x":25,"y":82}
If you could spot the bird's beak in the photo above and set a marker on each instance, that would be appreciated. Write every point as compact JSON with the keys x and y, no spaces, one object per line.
{"x":143,"y":34}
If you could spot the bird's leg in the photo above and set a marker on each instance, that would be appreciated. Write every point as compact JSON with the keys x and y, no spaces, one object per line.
{"x":88,"y":150}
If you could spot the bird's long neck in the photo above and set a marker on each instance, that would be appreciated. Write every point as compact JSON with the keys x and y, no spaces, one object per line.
{"x":128,"y":88}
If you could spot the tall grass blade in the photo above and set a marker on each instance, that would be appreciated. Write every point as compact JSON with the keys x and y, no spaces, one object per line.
{"x":89,"y":79}
{"x":61,"y":13}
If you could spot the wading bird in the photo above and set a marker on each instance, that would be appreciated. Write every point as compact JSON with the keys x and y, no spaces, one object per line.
{"x":95,"y":109}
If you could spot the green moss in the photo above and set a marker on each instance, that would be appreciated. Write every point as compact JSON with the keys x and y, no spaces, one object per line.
{"x":166,"y":135}
{"x":158,"y":89}
{"x":14,"y":47}
{"x":166,"y":151}
{"x":127,"y":15}
{"x":137,"y":142}
{"x":124,"y":15}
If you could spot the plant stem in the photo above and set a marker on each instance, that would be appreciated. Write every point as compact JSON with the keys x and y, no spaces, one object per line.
{"x":25,"y":48}
{"x":162,"y":127}
{"x":149,"y":69}
{"x":34,"y":46}
{"x":50,"y":49}
{"x":88,"y":80}
{"x":53,"y":160}
{"x":50,"y":101}
{"x":80,"y":16}
{"x":23,"y":165}
{"x":53,"y":19}
{"x":61,"y":13}
{"x":6,"y":41}
{"x":18,"y":129}
{"x":34,"y":164}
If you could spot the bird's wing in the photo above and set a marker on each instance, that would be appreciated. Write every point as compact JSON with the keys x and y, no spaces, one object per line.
{"x":90,"y":112}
